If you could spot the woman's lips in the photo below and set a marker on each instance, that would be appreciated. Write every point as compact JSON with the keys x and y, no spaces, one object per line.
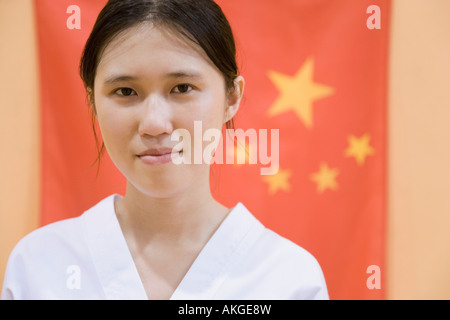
{"x":154,"y":157}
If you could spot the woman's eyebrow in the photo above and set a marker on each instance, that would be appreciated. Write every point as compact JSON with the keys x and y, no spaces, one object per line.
{"x":176,"y":74}
{"x":184,"y":74}
{"x":114,"y":79}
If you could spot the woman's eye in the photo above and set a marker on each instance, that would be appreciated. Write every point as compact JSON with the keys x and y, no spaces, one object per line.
{"x":182,"y":88}
{"x":125,"y":92}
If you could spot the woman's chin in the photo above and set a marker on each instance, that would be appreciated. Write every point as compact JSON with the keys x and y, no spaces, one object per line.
{"x":167,"y":186}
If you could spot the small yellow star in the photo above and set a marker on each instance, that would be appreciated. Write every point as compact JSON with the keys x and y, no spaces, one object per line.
{"x":298,"y":93}
{"x":359,"y":148}
{"x":278,"y":181}
{"x":325,"y":178}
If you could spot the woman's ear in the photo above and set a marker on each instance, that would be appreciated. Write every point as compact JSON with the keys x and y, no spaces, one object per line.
{"x":234,"y":98}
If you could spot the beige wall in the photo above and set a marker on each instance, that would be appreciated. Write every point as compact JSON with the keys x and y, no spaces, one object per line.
{"x":419,"y":143}
{"x":419,"y":161}
{"x":19,"y":131}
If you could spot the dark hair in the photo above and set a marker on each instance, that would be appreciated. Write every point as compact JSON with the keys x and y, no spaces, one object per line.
{"x":200,"y":21}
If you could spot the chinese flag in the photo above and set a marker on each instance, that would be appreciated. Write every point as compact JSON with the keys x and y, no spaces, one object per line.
{"x":315,"y":70}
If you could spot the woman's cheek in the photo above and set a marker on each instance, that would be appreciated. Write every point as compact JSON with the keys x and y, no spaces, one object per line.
{"x":117,"y":130}
{"x":211,"y":109}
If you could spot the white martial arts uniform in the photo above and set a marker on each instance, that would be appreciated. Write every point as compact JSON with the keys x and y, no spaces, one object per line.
{"x":88,"y":258}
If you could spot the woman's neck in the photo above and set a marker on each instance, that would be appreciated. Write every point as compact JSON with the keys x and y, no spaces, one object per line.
{"x":190,"y":216}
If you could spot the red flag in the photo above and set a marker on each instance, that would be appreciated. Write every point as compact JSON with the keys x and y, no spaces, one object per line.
{"x":316,"y":71}
{"x":69,"y":182}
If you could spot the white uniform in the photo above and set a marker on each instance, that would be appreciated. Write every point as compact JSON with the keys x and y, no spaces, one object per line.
{"x":88,"y":258}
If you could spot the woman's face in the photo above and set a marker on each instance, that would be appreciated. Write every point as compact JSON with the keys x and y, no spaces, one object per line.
{"x":150,"y":82}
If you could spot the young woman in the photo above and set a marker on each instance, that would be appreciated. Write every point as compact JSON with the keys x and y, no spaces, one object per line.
{"x":151,"y":67}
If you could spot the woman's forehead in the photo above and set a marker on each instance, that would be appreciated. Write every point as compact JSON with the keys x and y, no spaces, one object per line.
{"x":148,"y":42}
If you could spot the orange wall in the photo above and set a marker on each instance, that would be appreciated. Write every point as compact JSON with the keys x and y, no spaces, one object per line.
{"x":418,"y":253}
{"x":19,"y":125}
{"x":419,"y":162}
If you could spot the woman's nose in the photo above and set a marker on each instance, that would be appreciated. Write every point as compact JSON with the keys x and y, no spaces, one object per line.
{"x":155,"y":118}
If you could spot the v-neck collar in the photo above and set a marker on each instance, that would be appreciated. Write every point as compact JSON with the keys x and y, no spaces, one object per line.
{"x":209,"y":270}
{"x":110,"y":254}
{"x":118,"y":273}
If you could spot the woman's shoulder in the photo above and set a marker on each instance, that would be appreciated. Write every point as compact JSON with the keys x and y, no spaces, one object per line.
{"x":49,"y":236}
{"x":47,"y":254}
{"x":64,"y":233}
{"x":271,"y":244}
{"x":285,"y":255}
{"x":279,"y":262}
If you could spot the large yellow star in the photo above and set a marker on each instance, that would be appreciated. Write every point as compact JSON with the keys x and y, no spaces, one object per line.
{"x":359,"y":148}
{"x":298,"y":93}
{"x":278,"y":181}
{"x":325,"y":178}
